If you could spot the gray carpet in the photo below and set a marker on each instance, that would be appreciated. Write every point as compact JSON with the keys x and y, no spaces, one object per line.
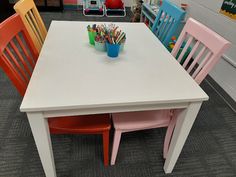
{"x":210,"y":150}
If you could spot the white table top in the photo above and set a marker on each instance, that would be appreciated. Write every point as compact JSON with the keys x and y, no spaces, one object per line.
{"x":70,"y":74}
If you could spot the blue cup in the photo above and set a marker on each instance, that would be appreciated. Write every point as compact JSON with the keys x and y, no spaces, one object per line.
{"x":113,"y":50}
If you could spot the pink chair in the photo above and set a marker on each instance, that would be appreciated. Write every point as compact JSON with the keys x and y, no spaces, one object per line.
{"x":206,"y":47}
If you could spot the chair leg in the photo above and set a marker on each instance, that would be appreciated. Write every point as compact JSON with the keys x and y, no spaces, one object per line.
{"x":116,"y":142}
{"x":105,"y":136}
{"x":168,"y":136}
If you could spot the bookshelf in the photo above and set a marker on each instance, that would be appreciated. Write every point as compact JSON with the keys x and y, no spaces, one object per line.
{"x":149,"y":13}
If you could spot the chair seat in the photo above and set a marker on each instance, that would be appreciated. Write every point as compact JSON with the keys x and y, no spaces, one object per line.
{"x":80,"y":124}
{"x":141,"y":120}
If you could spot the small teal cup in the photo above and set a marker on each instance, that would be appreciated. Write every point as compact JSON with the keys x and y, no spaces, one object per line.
{"x":113,"y":50}
{"x":100,"y":46}
{"x":122,"y":46}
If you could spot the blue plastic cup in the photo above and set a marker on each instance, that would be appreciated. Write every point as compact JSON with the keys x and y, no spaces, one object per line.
{"x":100,"y":46}
{"x":113,"y":50}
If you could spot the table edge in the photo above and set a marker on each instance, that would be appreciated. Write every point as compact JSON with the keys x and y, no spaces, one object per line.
{"x":24,"y":109}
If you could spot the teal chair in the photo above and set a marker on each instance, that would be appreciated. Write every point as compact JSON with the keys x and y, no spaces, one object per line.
{"x":167,"y":22}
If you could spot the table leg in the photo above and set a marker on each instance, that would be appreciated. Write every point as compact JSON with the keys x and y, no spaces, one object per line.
{"x":183,"y":126}
{"x":40,"y":130}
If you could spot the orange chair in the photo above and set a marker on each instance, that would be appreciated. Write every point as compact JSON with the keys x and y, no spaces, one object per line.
{"x":32,"y":21}
{"x":18,"y":57}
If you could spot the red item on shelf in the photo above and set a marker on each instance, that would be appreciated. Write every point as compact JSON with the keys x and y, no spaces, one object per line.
{"x":114,"y":4}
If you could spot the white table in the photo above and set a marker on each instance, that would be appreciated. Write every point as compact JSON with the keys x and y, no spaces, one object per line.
{"x":72,"y":78}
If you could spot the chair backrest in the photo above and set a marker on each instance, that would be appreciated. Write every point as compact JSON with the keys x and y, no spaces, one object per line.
{"x":18,"y":54}
{"x":32,"y":20}
{"x":114,"y":4}
{"x":168,"y":19}
{"x":206,"y":49}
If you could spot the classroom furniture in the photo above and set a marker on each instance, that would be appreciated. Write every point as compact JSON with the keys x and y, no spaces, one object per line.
{"x":114,"y":8}
{"x":211,"y":45}
{"x":148,"y":14}
{"x":32,"y":21}
{"x":12,"y":54}
{"x":207,"y":49}
{"x":99,"y":124}
{"x":167,"y":22}
{"x":94,"y":84}
{"x":93,"y":8}
{"x":18,"y":59}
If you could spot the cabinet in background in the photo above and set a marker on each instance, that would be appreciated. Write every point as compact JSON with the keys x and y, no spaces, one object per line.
{"x":148,"y":14}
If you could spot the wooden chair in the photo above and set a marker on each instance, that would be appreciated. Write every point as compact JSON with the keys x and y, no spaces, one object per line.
{"x":32,"y":21}
{"x":18,"y":57}
{"x":167,"y":22}
{"x":207,"y":48}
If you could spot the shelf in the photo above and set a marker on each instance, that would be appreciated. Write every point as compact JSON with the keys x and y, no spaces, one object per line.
{"x":148,"y":17}
{"x":148,"y":13}
{"x":149,"y":8}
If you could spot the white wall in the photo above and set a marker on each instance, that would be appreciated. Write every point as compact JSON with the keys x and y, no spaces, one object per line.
{"x":207,"y":12}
